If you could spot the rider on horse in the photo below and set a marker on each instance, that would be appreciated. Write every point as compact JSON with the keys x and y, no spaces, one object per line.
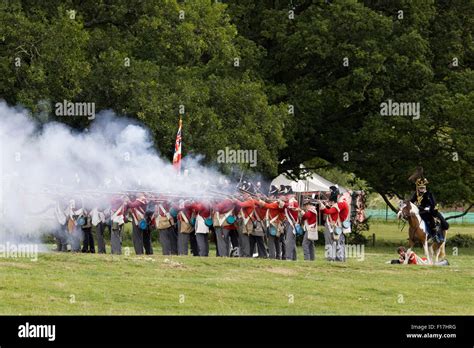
{"x":427,"y":206}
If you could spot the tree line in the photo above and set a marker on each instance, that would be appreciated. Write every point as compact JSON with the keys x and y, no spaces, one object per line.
{"x":298,"y":81}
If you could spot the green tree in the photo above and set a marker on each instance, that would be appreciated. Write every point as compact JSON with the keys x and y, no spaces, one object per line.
{"x":145,"y":60}
{"x":337,"y":61}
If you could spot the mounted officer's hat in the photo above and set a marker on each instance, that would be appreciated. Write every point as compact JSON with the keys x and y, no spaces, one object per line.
{"x":421,"y":182}
{"x":419,"y":178}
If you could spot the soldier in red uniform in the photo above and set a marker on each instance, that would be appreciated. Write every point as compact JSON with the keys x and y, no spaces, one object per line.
{"x":309,"y":220}
{"x":164,"y":223}
{"x":117,"y":210}
{"x":202,"y":211}
{"x":336,"y":212}
{"x":246,"y":210}
{"x":137,"y":208}
{"x":409,"y":257}
{"x":223,"y":220}
{"x":185,"y":226}
{"x":274,"y":217}
{"x":291,"y":211}
{"x":259,"y":231}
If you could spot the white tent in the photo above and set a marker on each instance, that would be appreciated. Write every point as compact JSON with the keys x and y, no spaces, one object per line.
{"x":298,"y":185}
{"x":312,"y":183}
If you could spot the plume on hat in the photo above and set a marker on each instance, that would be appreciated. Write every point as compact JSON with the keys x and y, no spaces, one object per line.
{"x":418,"y":174}
{"x":418,"y":177}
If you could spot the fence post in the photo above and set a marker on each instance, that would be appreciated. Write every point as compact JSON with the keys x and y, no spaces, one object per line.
{"x":373,"y":239}
{"x":386,"y":213}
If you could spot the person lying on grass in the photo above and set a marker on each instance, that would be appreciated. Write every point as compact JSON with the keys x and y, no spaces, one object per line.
{"x":413,"y":259}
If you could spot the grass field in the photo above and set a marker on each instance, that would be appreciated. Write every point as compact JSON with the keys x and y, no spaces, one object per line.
{"x":65,"y":283}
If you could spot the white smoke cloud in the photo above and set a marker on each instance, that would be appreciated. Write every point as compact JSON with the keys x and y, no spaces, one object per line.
{"x":41,"y":164}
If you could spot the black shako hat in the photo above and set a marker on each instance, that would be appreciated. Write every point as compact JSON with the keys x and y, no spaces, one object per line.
{"x":334,"y":194}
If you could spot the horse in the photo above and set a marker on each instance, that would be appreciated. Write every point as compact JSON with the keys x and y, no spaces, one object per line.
{"x":416,"y":232}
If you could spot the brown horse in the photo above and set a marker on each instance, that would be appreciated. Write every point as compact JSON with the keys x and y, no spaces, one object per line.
{"x":416,"y":232}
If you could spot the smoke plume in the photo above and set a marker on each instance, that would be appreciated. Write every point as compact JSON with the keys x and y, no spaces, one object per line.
{"x":43,"y":164}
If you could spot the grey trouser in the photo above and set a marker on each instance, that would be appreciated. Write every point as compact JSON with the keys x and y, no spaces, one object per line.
{"x":75,"y":239}
{"x":166,"y":240}
{"x":258,"y":240}
{"x":100,"y":229}
{"x":223,"y":241}
{"x":137,"y":239}
{"x":147,"y":241}
{"x":116,"y":239}
{"x":290,"y":242}
{"x":244,"y":244}
{"x":202,"y":244}
{"x":61,"y":238}
{"x":194,"y":245}
{"x":281,"y":241}
{"x":274,"y":249}
{"x":174,"y":240}
{"x":234,"y":238}
{"x":308,"y":248}
{"x":88,"y":245}
{"x":183,"y":242}
{"x":334,"y":249}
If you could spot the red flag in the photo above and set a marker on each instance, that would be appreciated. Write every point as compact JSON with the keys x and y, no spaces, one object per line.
{"x":177,"y":149}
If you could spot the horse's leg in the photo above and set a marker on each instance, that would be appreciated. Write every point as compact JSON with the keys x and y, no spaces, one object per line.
{"x":442,"y":248}
{"x":431,"y":250}
{"x":427,"y":252}
{"x":411,"y":238}
{"x":436,"y":252}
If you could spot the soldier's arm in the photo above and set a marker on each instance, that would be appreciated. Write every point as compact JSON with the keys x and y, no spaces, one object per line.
{"x":306,"y":215}
{"x":135,"y":204}
{"x":244,"y":204}
{"x":331,"y":210}
{"x":273,"y":205}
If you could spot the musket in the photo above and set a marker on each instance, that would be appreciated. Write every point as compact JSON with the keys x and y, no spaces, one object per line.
{"x":255,"y":195}
{"x":151,"y":195}
{"x":220,"y":194}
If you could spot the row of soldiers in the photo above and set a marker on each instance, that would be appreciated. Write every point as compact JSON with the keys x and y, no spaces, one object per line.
{"x":243,"y":225}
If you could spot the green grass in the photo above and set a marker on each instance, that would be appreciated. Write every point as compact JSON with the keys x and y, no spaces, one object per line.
{"x":392,"y":231}
{"x":120,"y":285}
